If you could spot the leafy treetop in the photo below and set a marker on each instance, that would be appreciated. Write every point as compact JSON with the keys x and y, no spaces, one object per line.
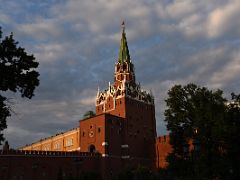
{"x":17,"y":74}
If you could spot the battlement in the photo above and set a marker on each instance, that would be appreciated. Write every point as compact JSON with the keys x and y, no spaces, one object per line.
{"x":163,"y":139}
{"x":13,"y":152}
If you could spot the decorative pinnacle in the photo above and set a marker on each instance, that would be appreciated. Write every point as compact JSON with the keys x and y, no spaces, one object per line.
{"x":98,"y":91}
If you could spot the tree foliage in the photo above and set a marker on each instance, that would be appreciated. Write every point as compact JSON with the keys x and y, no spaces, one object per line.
{"x":88,"y":114}
{"x":233,"y":136}
{"x":200,"y":126}
{"x":17,"y":74}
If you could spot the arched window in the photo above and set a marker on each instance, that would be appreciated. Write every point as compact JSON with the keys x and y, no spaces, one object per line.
{"x":124,"y":67}
{"x":91,"y":148}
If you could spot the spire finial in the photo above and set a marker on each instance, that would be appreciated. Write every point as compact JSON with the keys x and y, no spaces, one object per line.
{"x":123,"y":26}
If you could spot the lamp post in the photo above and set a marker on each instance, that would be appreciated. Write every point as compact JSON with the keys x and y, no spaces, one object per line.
{"x":196,"y":149}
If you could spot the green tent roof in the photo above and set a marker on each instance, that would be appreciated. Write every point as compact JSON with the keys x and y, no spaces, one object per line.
{"x":123,"y":51}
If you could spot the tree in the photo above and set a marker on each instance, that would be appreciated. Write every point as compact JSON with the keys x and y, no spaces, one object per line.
{"x":88,"y":114}
{"x":17,"y":74}
{"x":195,"y":117}
{"x":233,"y":137}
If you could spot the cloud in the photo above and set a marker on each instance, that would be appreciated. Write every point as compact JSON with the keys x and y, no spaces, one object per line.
{"x":88,"y":101}
{"x":228,"y":73}
{"x":4,"y":19}
{"x":41,"y":29}
{"x":224,"y":19}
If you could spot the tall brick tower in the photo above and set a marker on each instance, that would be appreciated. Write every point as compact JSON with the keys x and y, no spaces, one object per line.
{"x":124,"y":98}
{"x":124,"y":128}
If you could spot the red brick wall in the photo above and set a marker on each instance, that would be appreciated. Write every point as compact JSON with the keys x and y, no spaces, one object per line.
{"x":118,"y":109}
{"x":140,"y":128}
{"x":92,"y":132}
{"x":46,"y":165}
{"x":163,"y":148}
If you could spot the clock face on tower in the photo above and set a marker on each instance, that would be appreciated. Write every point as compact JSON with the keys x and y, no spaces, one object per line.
{"x":91,"y":133}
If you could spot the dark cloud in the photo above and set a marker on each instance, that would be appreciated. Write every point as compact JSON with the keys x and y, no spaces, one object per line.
{"x":76,"y":43}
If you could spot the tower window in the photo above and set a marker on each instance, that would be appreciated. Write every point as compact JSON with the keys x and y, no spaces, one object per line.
{"x":91,"y":127}
{"x":99,"y":130}
{"x":124,"y":67}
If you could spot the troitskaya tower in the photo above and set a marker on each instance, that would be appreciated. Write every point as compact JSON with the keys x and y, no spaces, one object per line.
{"x":125,"y":98}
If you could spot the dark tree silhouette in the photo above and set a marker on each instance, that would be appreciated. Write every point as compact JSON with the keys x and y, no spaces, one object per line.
{"x":195,"y":113}
{"x":233,"y":143}
{"x":17,"y":74}
{"x":204,"y":133}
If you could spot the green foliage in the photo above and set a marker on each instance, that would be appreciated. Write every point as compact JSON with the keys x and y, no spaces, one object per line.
{"x":17,"y":74}
{"x":88,"y":114}
{"x":4,"y":113}
{"x":232,"y":145}
{"x":200,"y":115}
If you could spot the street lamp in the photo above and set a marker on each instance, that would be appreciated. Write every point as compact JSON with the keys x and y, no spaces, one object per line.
{"x":196,"y":142}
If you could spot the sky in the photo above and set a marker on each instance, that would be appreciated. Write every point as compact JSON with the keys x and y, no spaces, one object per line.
{"x":76,"y":43}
